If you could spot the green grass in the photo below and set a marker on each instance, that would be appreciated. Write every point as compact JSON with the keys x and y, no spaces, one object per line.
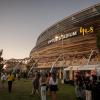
{"x":22,"y":90}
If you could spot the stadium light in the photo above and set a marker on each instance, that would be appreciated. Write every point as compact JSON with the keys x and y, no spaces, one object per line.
{"x":56,"y":37}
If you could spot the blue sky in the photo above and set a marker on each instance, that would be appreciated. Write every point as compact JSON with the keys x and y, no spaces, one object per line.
{"x":22,"y":21}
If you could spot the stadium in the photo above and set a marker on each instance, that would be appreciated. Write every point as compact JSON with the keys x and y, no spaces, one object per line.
{"x":70,"y":41}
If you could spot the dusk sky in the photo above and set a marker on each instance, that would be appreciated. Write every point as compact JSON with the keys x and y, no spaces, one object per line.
{"x":22,"y":21}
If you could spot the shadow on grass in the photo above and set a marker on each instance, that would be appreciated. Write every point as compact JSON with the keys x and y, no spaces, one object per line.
{"x":22,"y":90}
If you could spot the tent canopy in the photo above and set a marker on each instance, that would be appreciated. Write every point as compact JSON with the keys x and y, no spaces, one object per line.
{"x":83,"y":67}
{"x":88,"y":67}
{"x":72,"y":68}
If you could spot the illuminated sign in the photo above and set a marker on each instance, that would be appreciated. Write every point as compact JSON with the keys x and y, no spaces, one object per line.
{"x":65,"y":36}
{"x":82,"y":31}
{"x":86,"y":30}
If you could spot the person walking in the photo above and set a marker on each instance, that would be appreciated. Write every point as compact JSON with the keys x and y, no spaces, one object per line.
{"x":10,"y":79}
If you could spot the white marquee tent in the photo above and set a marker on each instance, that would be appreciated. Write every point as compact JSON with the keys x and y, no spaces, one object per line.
{"x":83,"y":67}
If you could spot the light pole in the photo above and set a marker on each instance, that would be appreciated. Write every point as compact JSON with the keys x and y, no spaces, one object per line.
{"x":61,"y":70}
{"x":56,"y":38}
{"x":62,"y":42}
{"x":64,"y":74}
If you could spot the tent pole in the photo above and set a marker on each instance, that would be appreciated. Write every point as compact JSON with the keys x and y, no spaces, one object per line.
{"x":90,"y":56}
{"x":54,"y":63}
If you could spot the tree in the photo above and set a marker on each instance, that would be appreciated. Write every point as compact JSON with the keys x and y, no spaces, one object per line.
{"x":1,"y":59}
{"x":98,"y":40}
{"x":30,"y":63}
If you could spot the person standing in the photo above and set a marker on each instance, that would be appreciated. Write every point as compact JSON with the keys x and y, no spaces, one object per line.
{"x":88,"y":84}
{"x":43,"y":83}
{"x":79,"y":86}
{"x":53,"y":83}
{"x":10,"y":79}
{"x":35,"y":83}
{"x":48,"y":87}
{"x":3,"y":79}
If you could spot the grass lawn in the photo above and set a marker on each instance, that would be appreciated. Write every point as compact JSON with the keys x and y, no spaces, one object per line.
{"x":22,"y":90}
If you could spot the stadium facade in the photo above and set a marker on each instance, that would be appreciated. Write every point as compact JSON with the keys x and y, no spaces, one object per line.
{"x":69,"y":41}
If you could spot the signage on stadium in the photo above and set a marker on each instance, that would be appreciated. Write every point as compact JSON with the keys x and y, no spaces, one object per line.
{"x":65,"y":36}
{"x":82,"y":31}
{"x":86,"y":30}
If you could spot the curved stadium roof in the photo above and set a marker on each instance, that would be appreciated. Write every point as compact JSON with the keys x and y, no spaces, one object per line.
{"x":67,"y":23}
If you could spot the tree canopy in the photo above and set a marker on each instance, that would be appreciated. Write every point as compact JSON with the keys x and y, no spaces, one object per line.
{"x":98,"y":40}
{"x":1,"y":59}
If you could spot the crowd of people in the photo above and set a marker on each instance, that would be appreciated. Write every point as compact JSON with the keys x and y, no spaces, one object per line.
{"x":43,"y":83}
{"x":46,"y":83}
{"x":85,"y":84}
